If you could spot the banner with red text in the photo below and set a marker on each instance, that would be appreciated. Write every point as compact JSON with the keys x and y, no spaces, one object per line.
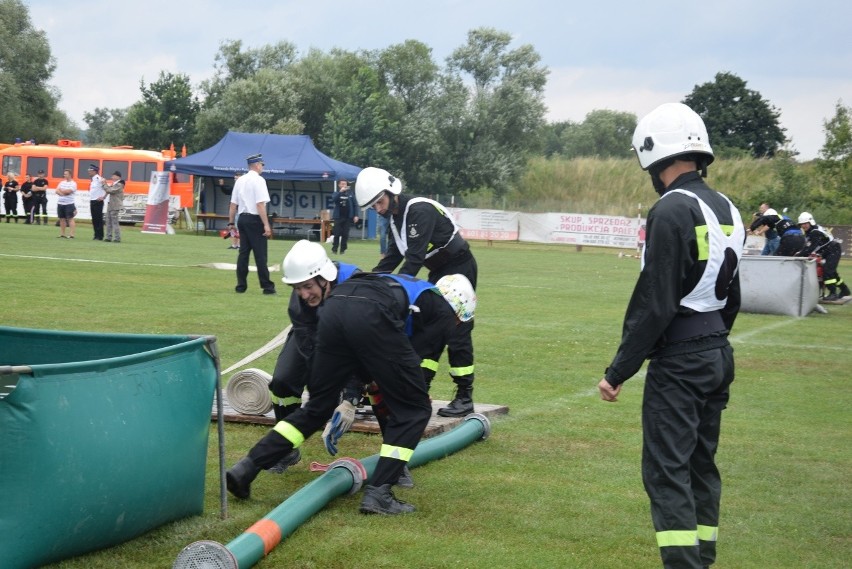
{"x":581,"y":229}
{"x":489,"y":224}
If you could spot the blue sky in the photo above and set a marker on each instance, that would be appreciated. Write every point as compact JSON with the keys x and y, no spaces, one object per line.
{"x":610,"y":54}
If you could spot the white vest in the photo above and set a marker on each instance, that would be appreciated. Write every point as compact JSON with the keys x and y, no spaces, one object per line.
{"x":402,"y":240}
{"x":703,"y":297}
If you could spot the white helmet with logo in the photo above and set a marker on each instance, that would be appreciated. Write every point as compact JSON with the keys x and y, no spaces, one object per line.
{"x":806,"y":217}
{"x":458,"y":291}
{"x":307,"y":260}
{"x":372,"y":183}
{"x":670,"y":130}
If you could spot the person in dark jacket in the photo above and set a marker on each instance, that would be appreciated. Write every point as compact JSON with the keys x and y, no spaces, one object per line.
{"x":362,"y":330}
{"x":679,"y":316}
{"x":344,"y":214}
{"x":311,"y":273}
{"x":792,"y":238}
{"x":821,"y":242}
{"x":424,"y":234}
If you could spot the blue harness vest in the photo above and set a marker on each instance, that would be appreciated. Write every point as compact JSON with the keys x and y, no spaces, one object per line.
{"x":413,"y":288}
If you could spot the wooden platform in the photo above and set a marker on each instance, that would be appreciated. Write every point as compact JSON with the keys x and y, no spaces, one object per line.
{"x":365,"y":422}
{"x":842,"y":300}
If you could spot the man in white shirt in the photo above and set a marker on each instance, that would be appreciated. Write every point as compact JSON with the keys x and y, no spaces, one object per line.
{"x":248,"y":207}
{"x":97,"y":195}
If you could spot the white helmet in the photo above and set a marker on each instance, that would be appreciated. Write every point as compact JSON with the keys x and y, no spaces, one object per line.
{"x":458,"y":291}
{"x":806,"y":217}
{"x":307,"y":260}
{"x":372,"y":182}
{"x":670,"y":130}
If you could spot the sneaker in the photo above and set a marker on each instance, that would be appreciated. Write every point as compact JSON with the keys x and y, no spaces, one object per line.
{"x":108,"y":240}
{"x":380,"y":500}
{"x":831,"y":297}
{"x":405,"y":480}
{"x":290,"y":459}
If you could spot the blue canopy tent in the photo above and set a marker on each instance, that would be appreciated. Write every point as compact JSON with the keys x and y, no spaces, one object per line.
{"x":306,"y":177}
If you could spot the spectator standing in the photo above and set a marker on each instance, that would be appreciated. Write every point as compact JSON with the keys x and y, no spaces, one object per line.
{"x":10,"y":198}
{"x":66,"y":208}
{"x":248,"y":200}
{"x":679,"y":316}
{"x":344,"y":215}
{"x":97,"y":195}
{"x":115,"y":190}
{"x":40,"y":198}
{"x":27,"y":199}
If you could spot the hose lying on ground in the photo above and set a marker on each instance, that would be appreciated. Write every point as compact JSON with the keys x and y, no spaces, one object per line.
{"x":248,"y":392}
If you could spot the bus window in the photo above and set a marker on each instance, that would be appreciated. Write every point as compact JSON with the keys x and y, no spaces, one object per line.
{"x":60,"y":165}
{"x":11,"y":164}
{"x":181,"y":178}
{"x":83,"y":167}
{"x":111,"y":166}
{"x":35,"y":164}
{"x":141,"y":171}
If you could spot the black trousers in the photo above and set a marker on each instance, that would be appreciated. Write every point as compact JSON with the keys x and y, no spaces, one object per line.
{"x":681,"y":419}
{"x":40,"y":203}
{"x":97,"y":209}
{"x":359,"y":333}
{"x":252,"y":240}
{"x":831,"y":255}
{"x":290,"y":376}
{"x":341,"y":235}
{"x":460,"y":346}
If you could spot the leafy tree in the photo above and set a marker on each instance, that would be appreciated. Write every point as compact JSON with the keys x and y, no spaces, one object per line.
{"x":105,"y":126}
{"x":265,"y":102}
{"x":165,"y":115}
{"x":28,"y":105}
{"x":233,"y":63}
{"x":603,"y":134}
{"x":505,"y":112}
{"x":737,"y":117}
{"x":317,"y":79}
{"x":834,"y":166}
{"x":360,"y":128}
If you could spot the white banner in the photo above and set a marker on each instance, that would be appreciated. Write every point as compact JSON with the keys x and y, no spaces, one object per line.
{"x":581,"y":229}
{"x":490,"y":224}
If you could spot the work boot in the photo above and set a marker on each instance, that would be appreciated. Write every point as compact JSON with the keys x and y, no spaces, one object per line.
{"x":844,"y":290}
{"x":240,"y":477}
{"x":461,"y":405}
{"x":380,"y":500}
{"x":290,"y":459}
{"x":405,"y":480}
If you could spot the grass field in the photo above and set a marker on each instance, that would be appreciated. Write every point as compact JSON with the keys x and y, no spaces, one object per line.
{"x":558,"y":482}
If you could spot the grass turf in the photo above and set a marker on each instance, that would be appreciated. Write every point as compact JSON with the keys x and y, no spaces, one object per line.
{"x":557,"y":484}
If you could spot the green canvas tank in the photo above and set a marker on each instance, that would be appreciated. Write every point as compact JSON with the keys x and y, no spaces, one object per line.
{"x":102,"y":438}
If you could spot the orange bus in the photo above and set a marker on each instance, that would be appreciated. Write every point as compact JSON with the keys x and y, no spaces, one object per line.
{"x":135,"y":165}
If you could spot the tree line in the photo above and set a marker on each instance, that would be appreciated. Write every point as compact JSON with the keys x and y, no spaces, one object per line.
{"x":469,"y":126}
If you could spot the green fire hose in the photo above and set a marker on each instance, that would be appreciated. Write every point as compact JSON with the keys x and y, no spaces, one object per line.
{"x":345,"y":475}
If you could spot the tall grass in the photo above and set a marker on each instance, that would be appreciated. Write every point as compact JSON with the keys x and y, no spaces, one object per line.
{"x":618,"y":186}
{"x":557,"y":484}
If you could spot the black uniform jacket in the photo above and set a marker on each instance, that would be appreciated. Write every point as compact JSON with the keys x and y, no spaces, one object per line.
{"x":426,"y":228}
{"x":671,"y":271}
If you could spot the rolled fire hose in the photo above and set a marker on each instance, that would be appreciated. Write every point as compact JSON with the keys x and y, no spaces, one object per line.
{"x":345,"y":475}
{"x":248,"y":392}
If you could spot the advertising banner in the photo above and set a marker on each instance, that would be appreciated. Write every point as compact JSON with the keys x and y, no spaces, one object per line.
{"x":157,"y":206}
{"x":489,"y":224}
{"x":581,"y":229}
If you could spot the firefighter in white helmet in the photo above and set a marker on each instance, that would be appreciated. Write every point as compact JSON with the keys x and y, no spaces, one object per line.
{"x":683,"y":307}
{"x":368,"y":326}
{"x":424,"y":234}
{"x":821,"y":242}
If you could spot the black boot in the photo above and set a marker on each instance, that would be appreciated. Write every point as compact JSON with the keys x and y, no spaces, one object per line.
{"x":380,"y":500}
{"x":290,"y":459}
{"x":240,"y":477}
{"x":405,"y":480}
{"x":844,"y":290}
{"x":461,"y":405}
